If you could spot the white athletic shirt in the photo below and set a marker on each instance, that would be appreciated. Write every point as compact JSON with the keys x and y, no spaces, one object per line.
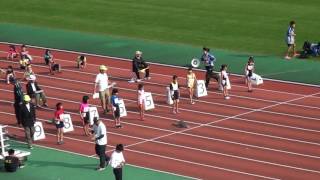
{"x":141,"y":96}
{"x":102,"y":80}
{"x":116,"y":159}
{"x":290,"y":35}
{"x":98,"y":131}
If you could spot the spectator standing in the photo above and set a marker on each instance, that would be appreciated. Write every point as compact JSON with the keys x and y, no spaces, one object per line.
{"x":117,"y":161}
{"x":28,"y":118}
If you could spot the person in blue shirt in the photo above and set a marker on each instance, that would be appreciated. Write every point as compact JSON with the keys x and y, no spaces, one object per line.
{"x":209,"y":61}
{"x":115,"y":106}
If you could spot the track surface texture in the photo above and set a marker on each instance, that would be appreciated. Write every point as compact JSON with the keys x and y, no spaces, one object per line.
{"x":271,"y":133}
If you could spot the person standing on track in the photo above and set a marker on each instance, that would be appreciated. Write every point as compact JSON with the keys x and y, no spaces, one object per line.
{"x":209,"y":61}
{"x":115,"y":107}
{"x":141,"y":98}
{"x":28,"y":118}
{"x":175,"y":94}
{"x":18,"y":100}
{"x":117,"y":161}
{"x":102,"y":81}
{"x":85,"y":115}
{"x":290,"y":40}
{"x":191,"y":83}
{"x":249,"y":69}
{"x":225,"y":82}
{"x":100,"y":137}
{"x":59,"y":122}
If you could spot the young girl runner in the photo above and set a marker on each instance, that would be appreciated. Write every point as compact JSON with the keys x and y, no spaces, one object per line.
{"x":248,"y":72}
{"x":10,"y":75}
{"x":59,"y":122}
{"x":12,"y":54}
{"x":175,"y":93}
{"x":47,"y":56}
{"x":116,"y":108}
{"x":191,"y":83}
{"x":53,"y":67}
{"x":81,"y":62}
{"x":141,"y":97}
{"x":225,"y":81}
{"x":84,"y":114}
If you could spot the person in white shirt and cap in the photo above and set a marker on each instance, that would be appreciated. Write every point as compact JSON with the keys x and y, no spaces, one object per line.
{"x":100,"y":137}
{"x":34,"y":91}
{"x":117,"y":161}
{"x":102,"y":81}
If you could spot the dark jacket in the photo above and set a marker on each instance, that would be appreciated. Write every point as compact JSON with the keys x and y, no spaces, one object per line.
{"x":27,"y":117}
{"x":138,"y":64}
{"x":30,"y":91}
{"x":18,"y":93}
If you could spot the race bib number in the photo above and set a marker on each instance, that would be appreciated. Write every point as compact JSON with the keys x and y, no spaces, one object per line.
{"x":38,"y":131}
{"x":68,"y":126}
{"x":148,"y":101}
{"x":122,"y":107}
{"x":201,"y":89}
{"x":93,"y":112}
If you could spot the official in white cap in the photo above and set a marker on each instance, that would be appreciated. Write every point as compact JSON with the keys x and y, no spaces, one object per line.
{"x":34,"y":91}
{"x":102,"y":83}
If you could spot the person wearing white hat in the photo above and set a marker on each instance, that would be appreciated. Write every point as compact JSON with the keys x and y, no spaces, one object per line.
{"x":28,"y":117}
{"x":102,"y":82}
{"x":34,"y":91}
{"x":139,"y":66}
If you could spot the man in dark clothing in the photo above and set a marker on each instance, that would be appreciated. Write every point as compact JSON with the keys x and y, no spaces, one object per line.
{"x":209,"y":60}
{"x":34,"y":91}
{"x":28,"y":117}
{"x":18,"y":98}
{"x":139,"y":65}
{"x":11,"y":162}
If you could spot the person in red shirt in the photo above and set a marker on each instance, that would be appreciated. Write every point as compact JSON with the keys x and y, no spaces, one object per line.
{"x":59,"y":122}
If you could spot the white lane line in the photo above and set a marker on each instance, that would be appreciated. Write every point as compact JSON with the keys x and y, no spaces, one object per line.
{"x":164,"y":157}
{"x":206,"y":151}
{"x":220,"y":104}
{"x":83,"y":155}
{"x":209,"y":125}
{"x":211,"y":92}
{"x":158,"y":64}
{"x":198,"y":136}
{"x":213,"y":122}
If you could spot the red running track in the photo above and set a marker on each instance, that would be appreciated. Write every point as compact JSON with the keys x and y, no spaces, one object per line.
{"x":272,"y":133}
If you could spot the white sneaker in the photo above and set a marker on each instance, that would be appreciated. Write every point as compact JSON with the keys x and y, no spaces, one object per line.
{"x":131,"y":80}
{"x":147,"y":78}
{"x":227,"y":97}
{"x":287,"y":57}
{"x":138,"y":80}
